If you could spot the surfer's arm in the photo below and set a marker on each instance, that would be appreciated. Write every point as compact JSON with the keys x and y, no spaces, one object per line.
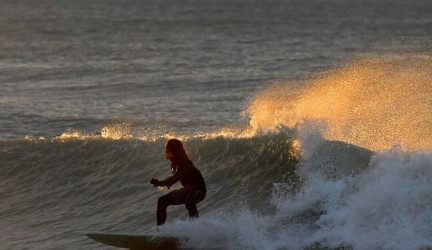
{"x":170,"y":181}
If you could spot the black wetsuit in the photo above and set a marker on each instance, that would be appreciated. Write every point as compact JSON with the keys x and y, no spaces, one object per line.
{"x":193,"y":190}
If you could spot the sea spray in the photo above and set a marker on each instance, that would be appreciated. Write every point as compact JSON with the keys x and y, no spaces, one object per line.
{"x":373,"y":102}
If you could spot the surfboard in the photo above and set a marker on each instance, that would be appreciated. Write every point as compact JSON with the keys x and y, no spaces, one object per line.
{"x":136,"y":241}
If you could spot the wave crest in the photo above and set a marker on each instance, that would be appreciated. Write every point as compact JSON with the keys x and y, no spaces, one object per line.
{"x":373,"y":102}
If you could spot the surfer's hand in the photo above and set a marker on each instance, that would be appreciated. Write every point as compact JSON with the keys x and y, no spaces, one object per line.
{"x":154,"y":182}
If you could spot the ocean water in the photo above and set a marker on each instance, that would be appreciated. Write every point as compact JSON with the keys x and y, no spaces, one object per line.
{"x":310,"y":120}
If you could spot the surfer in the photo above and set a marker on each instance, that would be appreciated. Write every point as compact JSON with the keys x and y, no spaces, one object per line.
{"x":182,"y":169}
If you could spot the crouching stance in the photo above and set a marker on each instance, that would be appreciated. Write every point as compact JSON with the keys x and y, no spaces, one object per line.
{"x":193,"y":185}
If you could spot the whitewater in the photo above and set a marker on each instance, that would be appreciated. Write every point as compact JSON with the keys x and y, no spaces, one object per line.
{"x":310,"y":121}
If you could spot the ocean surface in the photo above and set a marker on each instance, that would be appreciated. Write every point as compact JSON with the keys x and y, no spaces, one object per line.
{"x":310,"y":120}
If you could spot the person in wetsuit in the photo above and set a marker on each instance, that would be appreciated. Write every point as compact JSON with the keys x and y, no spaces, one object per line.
{"x":193,"y":188}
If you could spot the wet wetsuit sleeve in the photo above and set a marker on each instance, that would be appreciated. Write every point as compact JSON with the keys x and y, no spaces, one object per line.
{"x":171,"y":180}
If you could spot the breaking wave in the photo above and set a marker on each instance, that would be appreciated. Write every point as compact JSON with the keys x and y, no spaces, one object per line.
{"x":339,"y":160}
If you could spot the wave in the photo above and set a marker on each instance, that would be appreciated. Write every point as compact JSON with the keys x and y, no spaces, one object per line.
{"x":311,"y":169}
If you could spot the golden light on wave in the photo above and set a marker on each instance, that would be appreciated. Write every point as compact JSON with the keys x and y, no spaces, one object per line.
{"x":117,"y":131}
{"x":374,"y":102}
